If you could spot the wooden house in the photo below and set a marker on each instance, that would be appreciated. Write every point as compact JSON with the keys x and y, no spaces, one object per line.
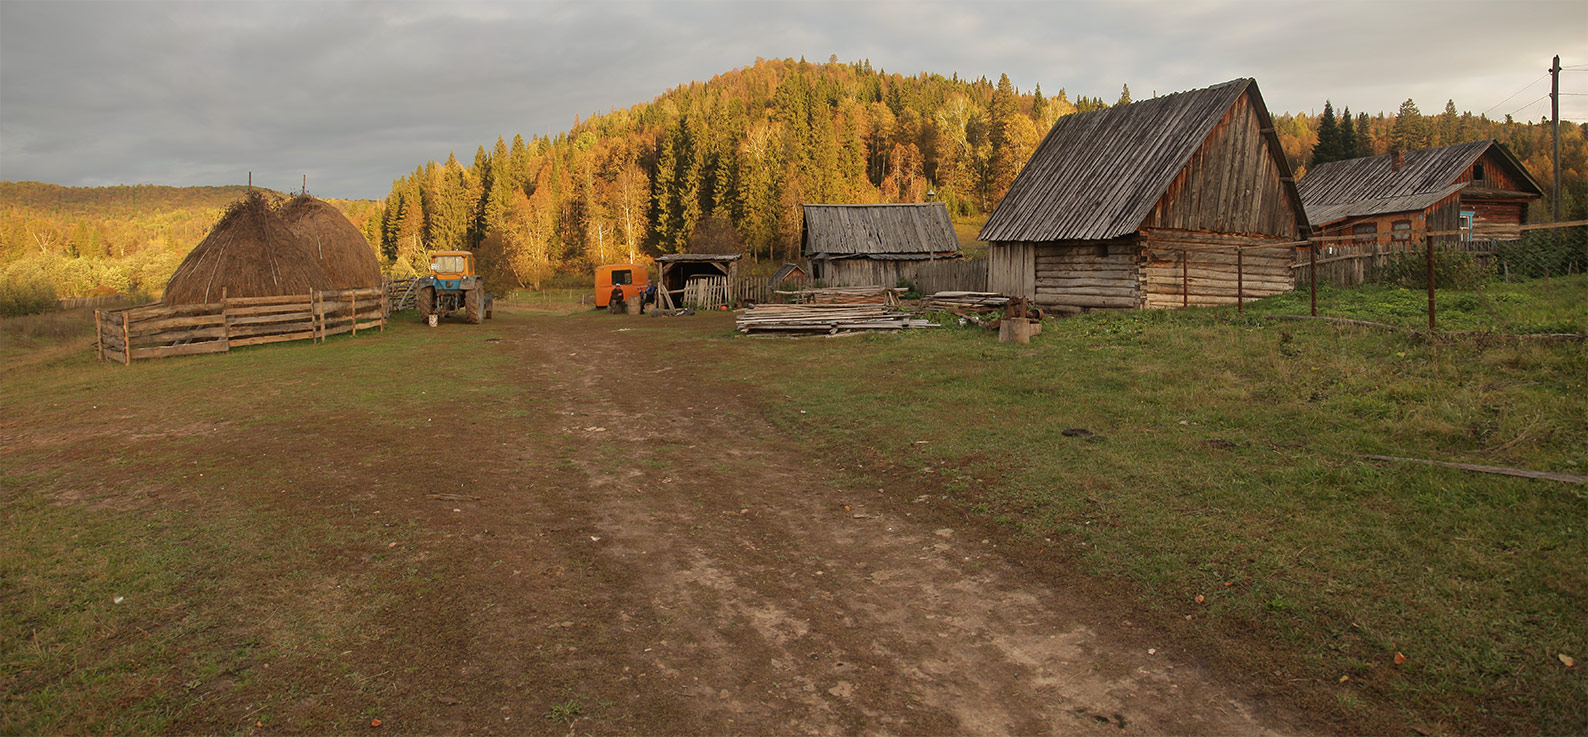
{"x":866,"y":245}
{"x":1478,"y":187}
{"x":1185,"y":199}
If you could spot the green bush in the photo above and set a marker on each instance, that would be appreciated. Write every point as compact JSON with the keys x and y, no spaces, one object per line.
{"x":1544,"y":253}
{"x":1452,"y":270}
{"x":21,"y":295}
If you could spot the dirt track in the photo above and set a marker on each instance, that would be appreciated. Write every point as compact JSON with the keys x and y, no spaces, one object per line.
{"x":626,"y":544}
{"x":675,"y":565}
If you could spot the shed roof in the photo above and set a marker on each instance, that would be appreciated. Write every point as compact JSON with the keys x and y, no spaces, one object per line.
{"x":909,"y":231}
{"x":1098,"y":174}
{"x":698,"y":258}
{"x":1371,"y":185}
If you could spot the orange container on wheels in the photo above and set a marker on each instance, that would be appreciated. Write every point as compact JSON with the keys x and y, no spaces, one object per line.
{"x":629,"y":280}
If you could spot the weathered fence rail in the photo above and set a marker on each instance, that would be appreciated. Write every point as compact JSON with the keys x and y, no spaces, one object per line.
{"x":163,"y":331}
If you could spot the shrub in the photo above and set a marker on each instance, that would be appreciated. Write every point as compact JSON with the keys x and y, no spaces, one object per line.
{"x":24,"y":293}
{"x":1452,"y":270}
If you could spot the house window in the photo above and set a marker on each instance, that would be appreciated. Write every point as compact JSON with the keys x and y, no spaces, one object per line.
{"x":1467,"y":218}
{"x":1401,"y":231}
{"x":1365,"y":233}
{"x":1477,"y":171}
{"x":623,"y":276}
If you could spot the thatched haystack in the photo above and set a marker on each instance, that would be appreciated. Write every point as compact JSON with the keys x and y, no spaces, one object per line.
{"x":344,"y":254}
{"x":251,"y":252}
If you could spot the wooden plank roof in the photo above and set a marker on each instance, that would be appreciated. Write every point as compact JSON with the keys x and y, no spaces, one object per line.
{"x":907,"y":231}
{"x":1097,"y":175}
{"x":1370,"y":185}
{"x":724,"y":258}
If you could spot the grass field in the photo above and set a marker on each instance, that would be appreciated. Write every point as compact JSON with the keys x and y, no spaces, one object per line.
{"x":1205,"y":466}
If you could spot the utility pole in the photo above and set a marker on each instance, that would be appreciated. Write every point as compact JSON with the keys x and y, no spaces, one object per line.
{"x":1554,"y":112}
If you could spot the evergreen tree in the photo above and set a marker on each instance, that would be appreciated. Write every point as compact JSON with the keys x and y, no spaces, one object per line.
{"x":1124,"y":96}
{"x":1328,"y":146}
{"x":1410,"y":132}
{"x":1347,"y":136}
{"x":1363,"y":145}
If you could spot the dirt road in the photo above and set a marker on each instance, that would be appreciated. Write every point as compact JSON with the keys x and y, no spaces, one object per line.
{"x":667,"y":559}
{"x":615,"y":539}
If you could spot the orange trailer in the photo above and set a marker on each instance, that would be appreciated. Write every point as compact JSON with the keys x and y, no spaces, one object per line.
{"x":631,"y":278}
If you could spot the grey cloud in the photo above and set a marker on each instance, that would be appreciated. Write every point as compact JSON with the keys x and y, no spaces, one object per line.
{"x":356,"y":94}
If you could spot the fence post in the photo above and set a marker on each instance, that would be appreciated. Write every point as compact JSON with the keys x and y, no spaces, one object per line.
{"x":1312,"y":272}
{"x":226,"y":320}
{"x":1429,"y":248}
{"x":99,"y":336}
{"x":1240,"y":280}
{"x":353,"y":311}
{"x":126,"y":340}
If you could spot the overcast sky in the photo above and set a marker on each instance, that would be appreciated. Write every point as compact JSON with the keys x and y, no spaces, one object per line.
{"x":356,"y":94}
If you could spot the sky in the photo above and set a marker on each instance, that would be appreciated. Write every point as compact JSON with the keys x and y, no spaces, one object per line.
{"x":356,"y":94}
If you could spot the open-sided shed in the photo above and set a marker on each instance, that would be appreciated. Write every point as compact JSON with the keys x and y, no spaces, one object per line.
{"x":1146,"y":204}
{"x":871,"y":245}
{"x":674,"y":270}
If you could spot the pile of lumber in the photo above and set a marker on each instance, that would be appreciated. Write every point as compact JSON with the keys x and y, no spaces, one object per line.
{"x":847,"y":296}
{"x":963,"y":303}
{"x":825,"y":318}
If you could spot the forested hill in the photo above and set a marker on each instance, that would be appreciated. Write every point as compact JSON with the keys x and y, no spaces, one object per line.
{"x":742,"y":151}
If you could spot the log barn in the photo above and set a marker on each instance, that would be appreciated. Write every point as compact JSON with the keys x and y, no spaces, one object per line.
{"x":872,"y":245}
{"x":1180,"y":200}
{"x":1479,"y":187}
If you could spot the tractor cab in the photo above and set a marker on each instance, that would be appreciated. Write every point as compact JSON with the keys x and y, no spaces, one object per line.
{"x":450,"y":268}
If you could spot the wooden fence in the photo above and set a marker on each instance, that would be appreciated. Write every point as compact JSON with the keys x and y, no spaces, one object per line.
{"x":163,"y":331}
{"x":958,"y":275}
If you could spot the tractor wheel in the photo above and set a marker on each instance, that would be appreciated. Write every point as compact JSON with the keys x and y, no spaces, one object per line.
{"x":474,"y":305}
{"x":426,"y":301}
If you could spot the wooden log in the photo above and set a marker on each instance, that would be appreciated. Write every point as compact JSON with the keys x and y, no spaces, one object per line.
{"x":126,"y":340}
{"x":1567,"y":478}
{"x":116,"y":354}
{"x":99,"y":336}
{"x":111,"y":339}
{"x":283,"y":299}
{"x":302,"y":305}
{"x":262,"y":339}
{"x":172,"y":336}
{"x":169,"y":323}
{"x":1081,"y":300}
{"x":1089,"y":291}
{"x":273,"y":329}
{"x":1014,"y":330}
{"x":1072,"y":281}
{"x":275,"y":318}
{"x":189,"y":349}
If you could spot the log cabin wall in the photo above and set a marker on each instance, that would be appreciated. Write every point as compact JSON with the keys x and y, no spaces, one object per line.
{"x":1232,"y":184}
{"x":1079,"y":276}
{"x":1188,"y":269}
{"x":1496,"y":218}
{"x":1012,"y":269}
{"x":1496,"y":174}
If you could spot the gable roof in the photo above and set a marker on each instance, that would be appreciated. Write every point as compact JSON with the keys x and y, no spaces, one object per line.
{"x":1370,"y":185}
{"x":1098,"y":174}
{"x":890,"y":232}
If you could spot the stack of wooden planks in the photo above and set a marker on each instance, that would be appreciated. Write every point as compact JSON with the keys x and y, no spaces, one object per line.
{"x":962,"y":303}
{"x":825,"y":318}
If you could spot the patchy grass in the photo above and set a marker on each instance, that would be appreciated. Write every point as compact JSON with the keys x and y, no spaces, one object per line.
{"x":1222,"y":458}
{"x":157,"y":570}
{"x":1557,"y":305}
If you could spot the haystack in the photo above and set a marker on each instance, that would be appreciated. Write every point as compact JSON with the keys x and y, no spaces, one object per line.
{"x":344,"y":254}
{"x":251,"y":252}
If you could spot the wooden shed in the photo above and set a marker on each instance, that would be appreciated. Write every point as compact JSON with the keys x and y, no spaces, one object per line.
{"x":1479,"y":187}
{"x":1145,"y":205}
{"x":866,"y":245}
{"x":674,"y":271}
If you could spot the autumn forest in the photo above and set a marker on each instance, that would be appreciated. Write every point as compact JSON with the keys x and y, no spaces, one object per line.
{"x":722,"y":164}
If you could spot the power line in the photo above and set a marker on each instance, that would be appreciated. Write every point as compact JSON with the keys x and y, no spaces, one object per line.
{"x":1514,"y":94}
{"x":1524,"y":107}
